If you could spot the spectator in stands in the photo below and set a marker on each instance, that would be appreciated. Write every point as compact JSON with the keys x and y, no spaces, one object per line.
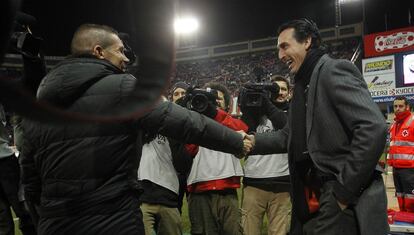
{"x":266,"y":183}
{"x":83,"y":176}
{"x":401,"y":153}
{"x":334,"y":137}
{"x":214,"y":177}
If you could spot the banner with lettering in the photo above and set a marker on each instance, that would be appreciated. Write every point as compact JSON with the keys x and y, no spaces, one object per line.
{"x":379,"y":74}
{"x":389,"y":42}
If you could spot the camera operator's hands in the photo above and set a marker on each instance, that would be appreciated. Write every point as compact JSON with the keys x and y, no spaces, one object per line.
{"x":250,"y":118}
{"x":267,"y":105}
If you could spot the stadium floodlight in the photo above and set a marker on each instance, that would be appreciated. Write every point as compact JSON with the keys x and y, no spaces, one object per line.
{"x":185,"y":25}
{"x":348,"y":1}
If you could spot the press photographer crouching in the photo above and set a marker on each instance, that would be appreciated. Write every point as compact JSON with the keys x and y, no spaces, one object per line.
{"x":266,"y":182}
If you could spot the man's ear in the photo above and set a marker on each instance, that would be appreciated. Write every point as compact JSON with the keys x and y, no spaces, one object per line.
{"x":98,"y":52}
{"x":308,"y":43}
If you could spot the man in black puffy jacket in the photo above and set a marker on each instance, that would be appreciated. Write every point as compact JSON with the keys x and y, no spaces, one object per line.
{"x":83,"y":176}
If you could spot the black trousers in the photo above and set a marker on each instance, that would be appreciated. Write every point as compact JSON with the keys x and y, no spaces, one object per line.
{"x":331,"y":219}
{"x":403,"y":180}
{"x":9,"y":189}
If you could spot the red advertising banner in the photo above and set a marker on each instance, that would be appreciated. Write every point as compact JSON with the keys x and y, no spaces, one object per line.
{"x":389,"y":42}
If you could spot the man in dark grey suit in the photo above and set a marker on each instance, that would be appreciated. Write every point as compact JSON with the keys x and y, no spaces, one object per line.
{"x":334,"y":137}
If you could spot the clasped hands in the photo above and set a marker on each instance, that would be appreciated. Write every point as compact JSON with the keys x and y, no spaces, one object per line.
{"x":248,"y":143}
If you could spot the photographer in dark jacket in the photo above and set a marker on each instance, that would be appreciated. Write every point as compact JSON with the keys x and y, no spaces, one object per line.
{"x":83,"y":176}
{"x":266,"y":182}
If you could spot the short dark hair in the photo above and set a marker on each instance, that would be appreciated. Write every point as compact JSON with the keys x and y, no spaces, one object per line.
{"x":304,"y":29}
{"x":280,"y":78}
{"x":89,"y":35}
{"x":222,"y":88}
{"x":400,"y":97}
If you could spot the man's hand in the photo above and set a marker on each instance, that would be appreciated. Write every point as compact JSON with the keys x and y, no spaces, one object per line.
{"x":252,"y":140}
{"x":248,"y":143}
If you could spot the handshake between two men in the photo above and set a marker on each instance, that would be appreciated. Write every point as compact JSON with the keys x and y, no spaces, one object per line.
{"x":248,"y":143}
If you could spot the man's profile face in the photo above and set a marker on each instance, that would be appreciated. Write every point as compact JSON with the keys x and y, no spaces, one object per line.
{"x":292,"y":52}
{"x":115,"y":53}
{"x":178,"y":93}
{"x":400,"y":106}
{"x":283,"y":92}
{"x":220,"y":100}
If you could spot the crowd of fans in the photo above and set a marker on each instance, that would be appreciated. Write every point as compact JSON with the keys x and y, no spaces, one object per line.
{"x":233,"y":71}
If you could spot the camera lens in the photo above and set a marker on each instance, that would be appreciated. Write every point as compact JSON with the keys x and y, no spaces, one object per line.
{"x":199,"y":103}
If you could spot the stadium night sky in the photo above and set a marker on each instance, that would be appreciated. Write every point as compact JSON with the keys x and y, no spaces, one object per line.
{"x":221,"y":21}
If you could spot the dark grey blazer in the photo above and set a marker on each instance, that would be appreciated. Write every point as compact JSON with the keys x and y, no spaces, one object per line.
{"x":345,"y":137}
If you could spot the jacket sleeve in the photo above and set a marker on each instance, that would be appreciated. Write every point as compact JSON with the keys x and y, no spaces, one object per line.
{"x":277,"y":116}
{"x":30,"y":177}
{"x":173,"y":121}
{"x":227,"y":120}
{"x":182,"y":158}
{"x":271,"y":142}
{"x":361,"y":120}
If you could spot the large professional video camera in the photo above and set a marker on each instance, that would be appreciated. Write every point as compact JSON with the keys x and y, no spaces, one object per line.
{"x":22,"y":39}
{"x":199,"y":99}
{"x":253,"y":94}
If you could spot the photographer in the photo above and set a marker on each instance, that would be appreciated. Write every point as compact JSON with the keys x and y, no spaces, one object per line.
{"x":9,"y":184}
{"x":214,"y":176}
{"x":266,"y":182}
{"x":26,"y":44}
{"x":162,"y":174}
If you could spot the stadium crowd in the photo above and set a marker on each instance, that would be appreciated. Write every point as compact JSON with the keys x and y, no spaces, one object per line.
{"x":233,"y":71}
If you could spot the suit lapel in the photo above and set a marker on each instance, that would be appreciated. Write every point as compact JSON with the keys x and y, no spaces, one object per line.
{"x":310,"y":102}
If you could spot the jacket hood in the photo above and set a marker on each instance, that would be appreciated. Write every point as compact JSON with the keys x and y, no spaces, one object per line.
{"x":70,"y":79}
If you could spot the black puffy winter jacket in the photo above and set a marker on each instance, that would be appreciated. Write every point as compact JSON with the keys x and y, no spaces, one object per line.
{"x":79,"y":169}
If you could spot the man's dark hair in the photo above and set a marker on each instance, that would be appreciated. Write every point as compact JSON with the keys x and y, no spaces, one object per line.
{"x":276,"y":78}
{"x":304,"y":29}
{"x":89,"y":35}
{"x":400,"y":97}
{"x":222,"y":88}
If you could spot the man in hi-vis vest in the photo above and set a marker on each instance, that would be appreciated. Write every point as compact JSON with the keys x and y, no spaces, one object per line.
{"x":401,"y":153}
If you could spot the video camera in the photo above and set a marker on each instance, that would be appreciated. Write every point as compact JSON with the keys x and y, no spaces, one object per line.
{"x":129,"y":53}
{"x":22,"y":39}
{"x":199,"y":99}
{"x":252,"y":94}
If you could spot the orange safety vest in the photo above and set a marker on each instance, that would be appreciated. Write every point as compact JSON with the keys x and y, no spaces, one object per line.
{"x":401,"y":153}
